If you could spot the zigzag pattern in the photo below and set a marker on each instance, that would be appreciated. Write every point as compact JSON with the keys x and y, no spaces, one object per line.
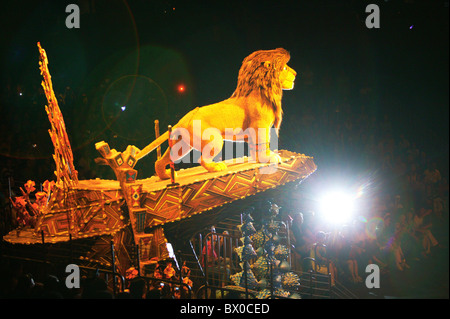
{"x":83,"y":213}
{"x":161,"y":206}
{"x":174,"y":203}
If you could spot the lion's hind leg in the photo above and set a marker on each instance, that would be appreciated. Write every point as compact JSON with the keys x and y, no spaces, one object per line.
{"x":210,"y":149}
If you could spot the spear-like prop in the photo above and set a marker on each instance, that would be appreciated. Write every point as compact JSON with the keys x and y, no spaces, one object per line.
{"x":65,"y":171}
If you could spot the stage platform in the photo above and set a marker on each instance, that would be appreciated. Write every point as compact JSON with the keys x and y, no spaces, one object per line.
{"x":100,"y":207}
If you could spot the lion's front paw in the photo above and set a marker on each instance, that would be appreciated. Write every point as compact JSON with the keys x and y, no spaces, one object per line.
{"x":275,"y":158}
{"x":271,"y":158}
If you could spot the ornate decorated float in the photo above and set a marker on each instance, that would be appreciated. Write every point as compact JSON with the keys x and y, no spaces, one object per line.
{"x":132,"y":210}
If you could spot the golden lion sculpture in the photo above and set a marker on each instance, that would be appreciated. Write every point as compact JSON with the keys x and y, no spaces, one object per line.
{"x":250,"y":113}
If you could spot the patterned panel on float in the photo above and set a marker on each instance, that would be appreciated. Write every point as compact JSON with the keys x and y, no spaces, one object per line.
{"x":123,"y":240}
{"x":171,"y":204}
{"x":145,"y":245}
{"x":84,"y":213}
{"x":162,"y":206}
{"x":198,"y":196}
{"x":208,"y":194}
{"x":235,"y":185}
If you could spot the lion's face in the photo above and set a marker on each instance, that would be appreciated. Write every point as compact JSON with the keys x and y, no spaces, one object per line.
{"x":266,"y":73}
{"x":287,"y":78}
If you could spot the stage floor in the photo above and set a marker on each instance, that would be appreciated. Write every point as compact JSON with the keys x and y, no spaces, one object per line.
{"x":195,"y":191}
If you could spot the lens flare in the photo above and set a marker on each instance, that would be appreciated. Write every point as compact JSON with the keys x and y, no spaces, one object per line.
{"x":373,"y":225}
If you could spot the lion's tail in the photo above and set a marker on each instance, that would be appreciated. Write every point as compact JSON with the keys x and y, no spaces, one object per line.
{"x":150,"y":147}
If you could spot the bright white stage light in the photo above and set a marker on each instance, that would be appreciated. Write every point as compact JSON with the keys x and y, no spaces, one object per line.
{"x":337,"y":207}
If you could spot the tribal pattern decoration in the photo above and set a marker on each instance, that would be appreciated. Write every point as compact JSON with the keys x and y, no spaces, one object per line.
{"x":170,"y":204}
{"x":82,"y":213}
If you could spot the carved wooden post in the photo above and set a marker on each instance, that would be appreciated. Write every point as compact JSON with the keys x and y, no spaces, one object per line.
{"x":158,"y":149}
{"x":172,"y":166}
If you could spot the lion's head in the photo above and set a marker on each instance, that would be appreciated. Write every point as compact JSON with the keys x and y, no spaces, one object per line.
{"x":266,"y":72}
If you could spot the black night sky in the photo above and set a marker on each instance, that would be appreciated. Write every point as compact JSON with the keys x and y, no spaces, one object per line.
{"x":358,"y":91}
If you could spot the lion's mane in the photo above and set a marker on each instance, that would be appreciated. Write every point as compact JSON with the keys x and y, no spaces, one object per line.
{"x":259,"y":83}
{"x":260,"y":74}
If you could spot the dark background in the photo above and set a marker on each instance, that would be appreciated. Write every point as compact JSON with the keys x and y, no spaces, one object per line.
{"x":137,"y":52}
{"x":359,"y":95}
